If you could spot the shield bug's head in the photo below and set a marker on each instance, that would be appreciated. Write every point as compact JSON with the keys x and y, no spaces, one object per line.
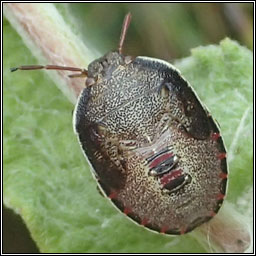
{"x":104,"y":65}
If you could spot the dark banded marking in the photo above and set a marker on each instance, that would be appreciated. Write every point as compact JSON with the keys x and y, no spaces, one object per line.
{"x":151,"y":158}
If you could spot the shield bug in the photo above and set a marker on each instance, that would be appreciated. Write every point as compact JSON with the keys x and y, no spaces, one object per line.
{"x":155,"y":150}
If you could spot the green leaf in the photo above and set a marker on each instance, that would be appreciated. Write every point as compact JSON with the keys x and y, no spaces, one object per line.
{"x":48,"y":182}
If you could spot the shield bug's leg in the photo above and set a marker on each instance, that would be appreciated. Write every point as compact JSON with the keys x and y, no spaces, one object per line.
{"x":126,"y":24}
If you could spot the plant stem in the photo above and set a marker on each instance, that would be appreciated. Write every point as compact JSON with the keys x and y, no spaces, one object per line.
{"x":227,"y":232}
{"x":51,"y":41}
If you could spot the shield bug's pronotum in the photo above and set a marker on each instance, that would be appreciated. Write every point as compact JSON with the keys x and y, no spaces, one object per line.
{"x":155,"y":150}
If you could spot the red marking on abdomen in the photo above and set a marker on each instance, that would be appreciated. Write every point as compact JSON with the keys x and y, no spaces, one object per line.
{"x":144,"y":222}
{"x":220,"y":196}
{"x":212,"y":213}
{"x":223,"y":175}
{"x":222,"y":156}
{"x":215,"y":136}
{"x":127,"y":210}
{"x":170,"y":176}
{"x":113,"y":194}
{"x":160,"y":159}
{"x":164,"y":229}
{"x":183,"y":231}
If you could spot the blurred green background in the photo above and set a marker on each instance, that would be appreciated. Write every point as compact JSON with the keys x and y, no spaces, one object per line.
{"x":161,"y":30}
{"x":166,"y":31}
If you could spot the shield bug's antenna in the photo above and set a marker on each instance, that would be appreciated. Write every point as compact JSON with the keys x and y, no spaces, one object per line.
{"x":82,"y":73}
{"x":126,"y":23}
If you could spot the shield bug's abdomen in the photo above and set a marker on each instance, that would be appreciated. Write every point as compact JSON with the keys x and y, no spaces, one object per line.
{"x":155,"y":150}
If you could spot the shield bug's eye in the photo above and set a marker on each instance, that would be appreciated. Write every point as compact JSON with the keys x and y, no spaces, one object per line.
{"x":90,"y":81}
{"x":128,"y":60}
